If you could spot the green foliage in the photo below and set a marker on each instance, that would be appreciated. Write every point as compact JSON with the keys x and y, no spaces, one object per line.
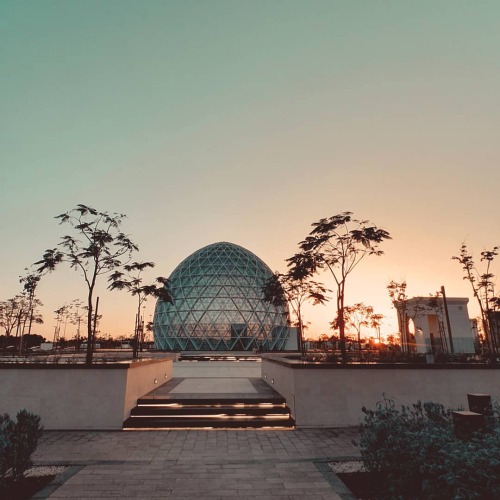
{"x":416,"y":449}
{"x":18,"y":441}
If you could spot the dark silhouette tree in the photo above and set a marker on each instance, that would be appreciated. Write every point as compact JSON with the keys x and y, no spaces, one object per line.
{"x":16,"y":313}
{"x":30,"y":283}
{"x":376,"y":323}
{"x":132,"y":282}
{"x":397,"y":294}
{"x":12,"y":313}
{"x":355,"y":317}
{"x":483,"y":288}
{"x":98,"y":247}
{"x":292,"y":290}
{"x":338,"y":244}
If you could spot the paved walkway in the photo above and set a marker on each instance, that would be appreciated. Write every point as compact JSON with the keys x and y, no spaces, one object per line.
{"x":197,"y":464}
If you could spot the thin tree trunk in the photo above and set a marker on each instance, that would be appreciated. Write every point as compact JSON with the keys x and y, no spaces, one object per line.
{"x":88,"y":359}
{"x":94,"y":328}
{"x":136,"y":337}
{"x":341,"y":322}
{"x":299,"y":334}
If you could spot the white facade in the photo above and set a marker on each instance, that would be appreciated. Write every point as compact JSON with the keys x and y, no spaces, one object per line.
{"x":426,"y":320}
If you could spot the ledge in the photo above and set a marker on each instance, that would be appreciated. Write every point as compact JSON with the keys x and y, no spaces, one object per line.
{"x":298,"y":364}
{"x":123,"y":365}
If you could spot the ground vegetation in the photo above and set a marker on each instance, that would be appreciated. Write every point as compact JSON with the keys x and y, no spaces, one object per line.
{"x":416,"y":451}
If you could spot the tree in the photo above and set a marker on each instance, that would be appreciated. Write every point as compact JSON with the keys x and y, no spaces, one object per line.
{"x":376,"y":322}
{"x":338,"y":244}
{"x":12,"y":312}
{"x":397,"y":294}
{"x":30,"y":283}
{"x":77,"y":315}
{"x":356,"y":317}
{"x":18,"y":311}
{"x":132,"y":282}
{"x":283,"y":290}
{"x":100,"y":250}
{"x":483,"y":288}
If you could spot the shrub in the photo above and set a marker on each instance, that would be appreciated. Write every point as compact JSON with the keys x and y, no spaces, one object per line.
{"x":416,"y":449}
{"x":26,"y":434}
{"x":18,"y":441}
{"x":6,"y":447}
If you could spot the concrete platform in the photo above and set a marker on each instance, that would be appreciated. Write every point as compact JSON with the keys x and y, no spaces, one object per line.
{"x":207,"y":388}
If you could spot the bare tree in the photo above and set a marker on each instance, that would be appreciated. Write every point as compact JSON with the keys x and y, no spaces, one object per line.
{"x":338,"y":244}
{"x":97,"y":248}
{"x":483,"y":288}
{"x":20,"y":312}
{"x":376,"y":323}
{"x":397,"y":294}
{"x":12,"y":313}
{"x":132,"y":282}
{"x":355,"y":317}
{"x":30,"y":284}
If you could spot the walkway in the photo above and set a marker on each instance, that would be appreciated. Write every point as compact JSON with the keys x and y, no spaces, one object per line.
{"x":198,"y":464}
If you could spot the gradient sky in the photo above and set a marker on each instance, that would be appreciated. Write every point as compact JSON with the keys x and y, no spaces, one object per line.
{"x":246,"y":121}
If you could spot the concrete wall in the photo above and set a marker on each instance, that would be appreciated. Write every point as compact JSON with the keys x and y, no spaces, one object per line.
{"x":80,"y":397}
{"x":332,"y":396}
{"x":143,"y":379}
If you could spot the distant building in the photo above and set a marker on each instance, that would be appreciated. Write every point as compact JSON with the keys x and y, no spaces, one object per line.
{"x":423,"y":324}
{"x":219,"y":305}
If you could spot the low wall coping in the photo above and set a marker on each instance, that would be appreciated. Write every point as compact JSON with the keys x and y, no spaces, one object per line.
{"x":123,"y":365}
{"x":318,"y":365}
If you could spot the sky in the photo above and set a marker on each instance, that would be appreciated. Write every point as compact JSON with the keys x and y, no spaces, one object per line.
{"x":247,"y":121}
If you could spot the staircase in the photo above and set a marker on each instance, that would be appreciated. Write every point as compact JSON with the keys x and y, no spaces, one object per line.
{"x":210,"y":413}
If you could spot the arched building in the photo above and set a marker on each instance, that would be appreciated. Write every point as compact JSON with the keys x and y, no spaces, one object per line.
{"x":218,"y":304}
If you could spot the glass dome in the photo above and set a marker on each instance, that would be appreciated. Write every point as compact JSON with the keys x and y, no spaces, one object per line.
{"x":218,"y":304}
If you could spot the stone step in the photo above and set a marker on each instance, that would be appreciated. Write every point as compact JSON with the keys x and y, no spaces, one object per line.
{"x":208,"y":411}
{"x":161,"y":422}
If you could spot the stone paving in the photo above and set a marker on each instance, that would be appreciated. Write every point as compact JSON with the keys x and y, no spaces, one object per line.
{"x":196,"y":464}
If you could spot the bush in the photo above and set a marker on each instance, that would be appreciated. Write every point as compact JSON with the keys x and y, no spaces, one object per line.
{"x":416,"y":449}
{"x":6,"y":446}
{"x":18,"y":441}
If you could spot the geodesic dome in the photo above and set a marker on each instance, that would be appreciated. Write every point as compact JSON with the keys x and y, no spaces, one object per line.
{"x":218,"y":304}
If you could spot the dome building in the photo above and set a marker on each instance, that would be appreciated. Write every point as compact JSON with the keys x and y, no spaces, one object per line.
{"x":218,"y":304}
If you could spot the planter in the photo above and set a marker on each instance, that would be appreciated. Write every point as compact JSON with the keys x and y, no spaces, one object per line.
{"x":77,"y":397}
{"x":332,"y":395}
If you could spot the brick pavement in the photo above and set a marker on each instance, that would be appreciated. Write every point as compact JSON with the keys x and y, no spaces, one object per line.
{"x":196,"y":464}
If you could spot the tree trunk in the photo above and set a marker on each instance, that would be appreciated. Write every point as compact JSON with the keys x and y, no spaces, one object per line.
{"x":300,"y":340}
{"x":88,"y":359}
{"x":136,"y":337}
{"x":341,"y":321}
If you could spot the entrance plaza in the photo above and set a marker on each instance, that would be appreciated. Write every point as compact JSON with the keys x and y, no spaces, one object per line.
{"x":197,"y":464}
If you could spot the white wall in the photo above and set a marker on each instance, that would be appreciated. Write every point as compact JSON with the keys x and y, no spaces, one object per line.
{"x":333,"y":397}
{"x":462,"y":334}
{"x":76,"y":397}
